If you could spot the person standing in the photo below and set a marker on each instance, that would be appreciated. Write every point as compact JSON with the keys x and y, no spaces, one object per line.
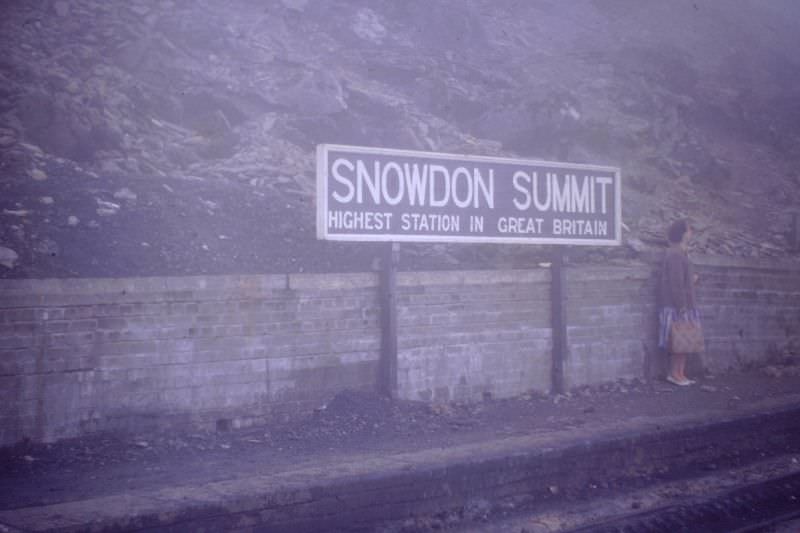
{"x":677,"y":297}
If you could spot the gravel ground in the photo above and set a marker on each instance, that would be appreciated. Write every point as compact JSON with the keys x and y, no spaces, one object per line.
{"x":351,"y":423}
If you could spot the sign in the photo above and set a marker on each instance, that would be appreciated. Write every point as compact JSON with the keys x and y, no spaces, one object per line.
{"x":376,"y":194}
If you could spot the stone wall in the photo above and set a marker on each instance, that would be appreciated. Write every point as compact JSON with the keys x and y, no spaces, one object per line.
{"x":470,"y":335}
{"x":85,"y":355}
{"x":751,"y":311}
{"x":78,"y":356}
{"x":612,"y":324}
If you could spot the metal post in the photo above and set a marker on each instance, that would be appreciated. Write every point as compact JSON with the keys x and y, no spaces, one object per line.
{"x":558,"y":300}
{"x":387,"y":378}
{"x":558,"y":320}
{"x":796,"y":232}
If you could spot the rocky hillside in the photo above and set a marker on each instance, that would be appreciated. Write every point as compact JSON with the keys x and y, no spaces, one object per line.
{"x":155,"y":137}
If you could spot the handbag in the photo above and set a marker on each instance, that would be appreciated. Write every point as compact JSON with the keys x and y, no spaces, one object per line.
{"x":686,"y":336}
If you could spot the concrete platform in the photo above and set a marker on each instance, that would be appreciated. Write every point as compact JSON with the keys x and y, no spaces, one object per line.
{"x":368,"y":492}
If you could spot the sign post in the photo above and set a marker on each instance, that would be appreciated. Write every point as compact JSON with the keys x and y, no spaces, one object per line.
{"x":394,"y":196}
{"x":558,"y":321}
{"x":387,"y":366}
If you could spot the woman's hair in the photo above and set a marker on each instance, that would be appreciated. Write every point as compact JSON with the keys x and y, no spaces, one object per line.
{"x":677,"y":230}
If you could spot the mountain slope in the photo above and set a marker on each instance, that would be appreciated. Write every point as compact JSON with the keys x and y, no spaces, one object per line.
{"x":177,"y":137}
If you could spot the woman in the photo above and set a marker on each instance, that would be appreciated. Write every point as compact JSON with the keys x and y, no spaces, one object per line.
{"x":677,"y":296}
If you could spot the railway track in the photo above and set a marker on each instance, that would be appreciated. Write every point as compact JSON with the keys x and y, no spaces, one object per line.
{"x":751,"y":508}
{"x":762,"y":496}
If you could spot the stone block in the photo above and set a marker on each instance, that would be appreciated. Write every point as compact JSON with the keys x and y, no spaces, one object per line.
{"x":324,"y":282}
{"x":475,"y":277}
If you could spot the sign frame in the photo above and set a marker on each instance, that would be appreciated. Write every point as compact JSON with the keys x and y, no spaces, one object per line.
{"x":322,"y":199}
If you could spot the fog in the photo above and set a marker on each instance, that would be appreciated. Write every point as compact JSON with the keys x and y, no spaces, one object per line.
{"x":149,"y":143}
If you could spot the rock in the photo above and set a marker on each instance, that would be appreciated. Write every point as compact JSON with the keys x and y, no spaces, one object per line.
{"x":62,"y":8}
{"x":368,"y":26}
{"x":106,"y":208}
{"x":7,"y":138}
{"x":110,"y":167}
{"x":47,"y":200}
{"x":441,"y":409}
{"x":72,"y":220}
{"x":47,"y":247}
{"x":558,"y":398}
{"x":636,"y":244}
{"x":38,"y":175}
{"x":314,"y":93}
{"x":16,"y":212}
{"x":780,"y":371}
{"x":708,"y":388}
{"x":125,"y":194}
{"x":477,"y":509}
{"x":8,"y":257}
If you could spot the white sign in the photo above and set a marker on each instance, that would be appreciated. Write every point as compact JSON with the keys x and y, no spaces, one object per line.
{"x":377,"y":194}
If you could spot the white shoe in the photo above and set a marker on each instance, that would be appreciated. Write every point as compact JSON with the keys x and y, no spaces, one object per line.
{"x":678,"y":382}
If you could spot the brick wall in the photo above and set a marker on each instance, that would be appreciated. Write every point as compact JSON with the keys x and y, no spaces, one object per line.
{"x":78,"y":356}
{"x":612,"y":324}
{"x":85,"y":355}
{"x":467,"y":335}
{"x":751,"y":311}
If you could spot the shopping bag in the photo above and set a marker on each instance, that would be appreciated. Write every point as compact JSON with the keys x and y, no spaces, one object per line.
{"x":686,"y":336}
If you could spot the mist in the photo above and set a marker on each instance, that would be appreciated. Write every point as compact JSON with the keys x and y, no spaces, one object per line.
{"x":176,"y":137}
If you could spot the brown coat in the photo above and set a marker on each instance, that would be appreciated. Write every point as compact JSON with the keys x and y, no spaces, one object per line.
{"x":677,"y":279}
